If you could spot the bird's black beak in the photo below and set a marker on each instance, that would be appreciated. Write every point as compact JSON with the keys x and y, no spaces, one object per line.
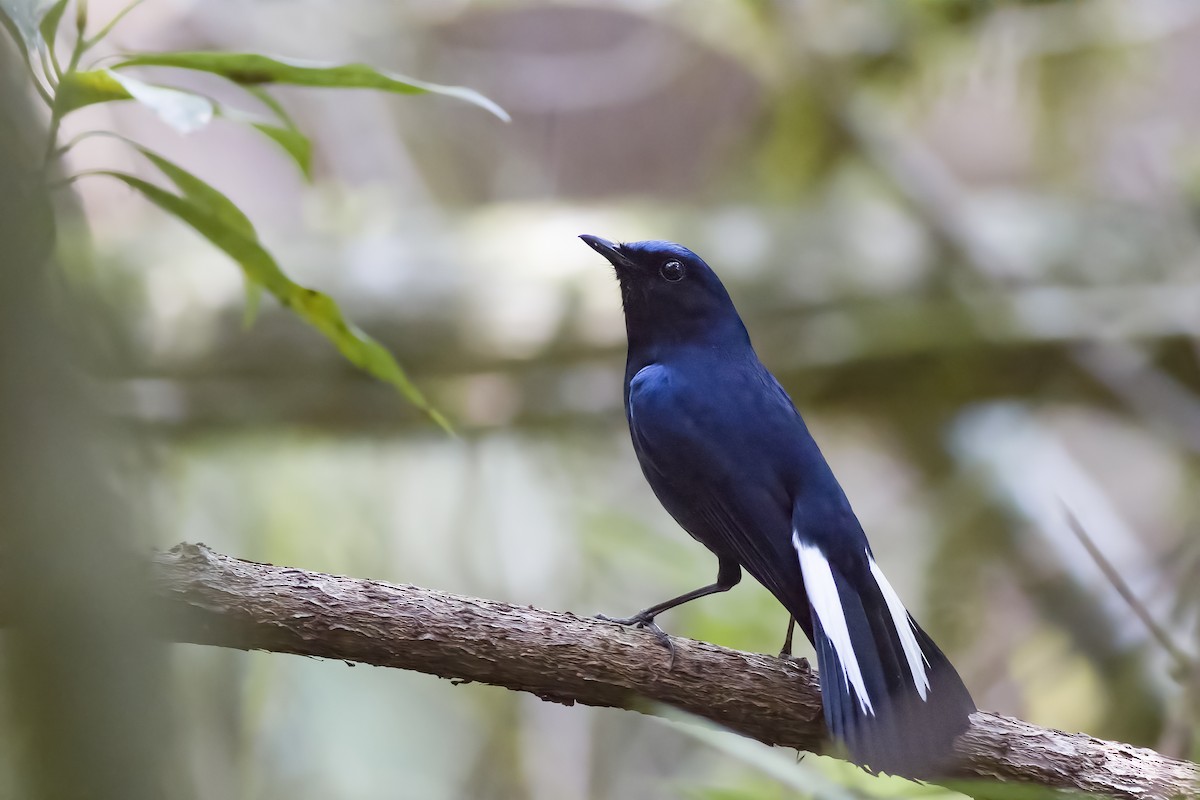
{"x":607,"y":249}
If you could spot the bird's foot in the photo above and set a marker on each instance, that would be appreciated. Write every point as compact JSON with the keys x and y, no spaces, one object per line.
{"x":648,"y":624}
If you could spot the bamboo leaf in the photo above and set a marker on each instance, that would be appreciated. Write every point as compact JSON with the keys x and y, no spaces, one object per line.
{"x":287,"y":136}
{"x":183,"y":111}
{"x":317,"y":309}
{"x":297,"y":144}
{"x":270,"y":101}
{"x":202,"y":194}
{"x":253,"y":69}
{"x":293,"y":142}
{"x":218,"y":204}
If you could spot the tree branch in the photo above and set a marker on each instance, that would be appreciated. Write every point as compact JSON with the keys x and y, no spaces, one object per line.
{"x":210,"y":598}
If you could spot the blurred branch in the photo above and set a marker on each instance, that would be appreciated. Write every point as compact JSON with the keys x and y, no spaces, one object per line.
{"x":210,"y":598}
{"x":930,"y":187}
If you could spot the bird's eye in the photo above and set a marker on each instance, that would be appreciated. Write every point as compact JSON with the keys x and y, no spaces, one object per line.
{"x":672,"y":271}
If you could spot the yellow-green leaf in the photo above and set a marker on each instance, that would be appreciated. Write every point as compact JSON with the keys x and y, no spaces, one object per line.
{"x":79,"y":89}
{"x":253,"y":69}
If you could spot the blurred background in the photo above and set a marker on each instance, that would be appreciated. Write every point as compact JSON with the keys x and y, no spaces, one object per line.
{"x":963,"y":235}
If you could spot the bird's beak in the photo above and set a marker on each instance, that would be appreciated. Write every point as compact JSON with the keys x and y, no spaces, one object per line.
{"x":607,"y":249}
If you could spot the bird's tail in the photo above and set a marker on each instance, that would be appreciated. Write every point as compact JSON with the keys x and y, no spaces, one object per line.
{"x":891,"y":697}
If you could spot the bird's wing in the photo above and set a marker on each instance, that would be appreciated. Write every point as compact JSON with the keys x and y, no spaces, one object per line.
{"x":707,"y":457}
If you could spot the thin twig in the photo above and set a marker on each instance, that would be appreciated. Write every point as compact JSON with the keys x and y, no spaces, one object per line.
{"x":1182,"y":660}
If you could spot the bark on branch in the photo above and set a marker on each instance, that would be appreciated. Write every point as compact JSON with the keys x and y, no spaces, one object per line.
{"x":216,"y":599}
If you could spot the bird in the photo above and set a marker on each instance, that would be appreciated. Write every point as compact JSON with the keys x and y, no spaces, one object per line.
{"x":728,"y":455}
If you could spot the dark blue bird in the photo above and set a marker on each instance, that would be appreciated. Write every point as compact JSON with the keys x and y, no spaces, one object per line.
{"x":729,"y":457}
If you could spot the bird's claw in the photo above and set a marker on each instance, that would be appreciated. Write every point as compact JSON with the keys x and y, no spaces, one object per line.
{"x":647,"y":624}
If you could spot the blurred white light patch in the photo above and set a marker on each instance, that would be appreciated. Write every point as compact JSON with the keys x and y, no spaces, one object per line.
{"x":598,"y":318}
{"x":1033,"y":472}
{"x":894,"y":250}
{"x":538,"y":240}
{"x":515,"y":319}
{"x":1128,"y":311}
{"x":737,"y":240}
{"x":1027,"y":233}
{"x":186,"y":292}
{"x":149,"y":400}
{"x":523,"y":262}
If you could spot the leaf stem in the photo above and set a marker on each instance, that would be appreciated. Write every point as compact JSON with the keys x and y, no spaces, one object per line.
{"x":55,"y":112}
{"x":50,"y":64}
{"x":112,"y":23}
{"x":23,"y":51}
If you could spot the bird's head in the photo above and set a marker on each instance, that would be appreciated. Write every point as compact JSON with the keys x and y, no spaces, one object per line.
{"x":669,"y":293}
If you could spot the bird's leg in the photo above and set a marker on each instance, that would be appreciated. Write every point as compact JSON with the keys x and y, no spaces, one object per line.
{"x":728,"y":575}
{"x":645,"y":618}
{"x":786,"y":650}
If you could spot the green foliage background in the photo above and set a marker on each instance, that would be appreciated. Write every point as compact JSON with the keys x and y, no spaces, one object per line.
{"x":963,"y":235}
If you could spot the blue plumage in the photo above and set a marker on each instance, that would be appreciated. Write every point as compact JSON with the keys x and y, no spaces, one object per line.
{"x":728,"y":455}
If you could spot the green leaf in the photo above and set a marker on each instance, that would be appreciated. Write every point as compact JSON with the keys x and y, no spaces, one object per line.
{"x":48,"y":27}
{"x":252,"y":69}
{"x":270,"y":101}
{"x":288,"y":136}
{"x":183,"y":111}
{"x":293,"y":142}
{"x":317,"y":309}
{"x":202,"y":194}
{"x":220,"y":206}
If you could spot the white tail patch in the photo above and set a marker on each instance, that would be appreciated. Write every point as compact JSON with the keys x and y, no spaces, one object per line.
{"x":904,"y":628}
{"x":827,"y":603}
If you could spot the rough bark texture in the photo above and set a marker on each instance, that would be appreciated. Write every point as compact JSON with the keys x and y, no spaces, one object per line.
{"x":219,"y":600}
